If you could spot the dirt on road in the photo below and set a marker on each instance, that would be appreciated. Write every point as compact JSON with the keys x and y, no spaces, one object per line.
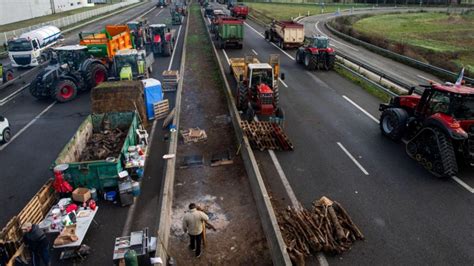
{"x":224,"y":191}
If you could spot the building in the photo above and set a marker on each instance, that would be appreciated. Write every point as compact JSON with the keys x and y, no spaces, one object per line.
{"x":17,"y":10}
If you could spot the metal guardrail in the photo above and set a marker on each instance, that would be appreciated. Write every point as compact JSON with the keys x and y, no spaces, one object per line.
{"x":401,"y":58}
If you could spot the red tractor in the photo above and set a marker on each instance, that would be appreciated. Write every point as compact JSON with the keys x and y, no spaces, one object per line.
{"x":162,"y":39}
{"x":316,"y":54}
{"x":437,"y":126}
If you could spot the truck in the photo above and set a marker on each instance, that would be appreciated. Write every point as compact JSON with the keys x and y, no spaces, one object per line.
{"x":106,"y":43}
{"x":437,"y":127}
{"x":5,"y":132}
{"x":90,"y":169}
{"x":32,"y":48}
{"x":132,"y":64}
{"x":229,"y":30}
{"x":239,"y":10}
{"x":257,"y":86}
{"x":286,"y":34}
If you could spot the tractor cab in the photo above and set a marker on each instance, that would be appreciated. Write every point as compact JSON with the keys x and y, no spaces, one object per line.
{"x":261,"y":86}
{"x":70,"y":56}
{"x":130,"y":64}
{"x":320,"y":42}
{"x":157,"y":32}
{"x":137,"y":30}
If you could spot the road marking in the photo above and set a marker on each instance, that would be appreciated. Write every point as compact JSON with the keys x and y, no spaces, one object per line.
{"x":464,"y":185}
{"x":282,"y":82}
{"x":226,"y":57}
{"x":286,"y":184}
{"x":321,"y":259}
{"x":261,"y":35}
{"x":27,"y":126}
{"x":254,"y":52}
{"x":332,"y":39}
{"x":12,"y":95}
{"x":174,"y":49}
{"x":146,"y":13}
{"x":425,"y":78}
{"x":352,"y":158}
{"x":361,"y":109}
{"x":159,"y":13}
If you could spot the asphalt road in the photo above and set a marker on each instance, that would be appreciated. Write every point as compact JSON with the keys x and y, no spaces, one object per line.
{"x":42,"y":128}
{"x":314,"y":25}
{"x":408,"y":216}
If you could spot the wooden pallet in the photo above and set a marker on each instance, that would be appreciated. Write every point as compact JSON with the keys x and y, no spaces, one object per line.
{"x":265,"y":135}
{"x":193,"y":135}
{"x":33,"y":212}
{"x":161,"y":109}
{"x":170,"y":79}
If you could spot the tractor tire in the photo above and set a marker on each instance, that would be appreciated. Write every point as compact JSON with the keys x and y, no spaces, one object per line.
{"x":310,"y":62}
{"x":240,"y":46}
{"x":299,"y":57}
{"x":249,"y":113}
{"x":36,"y":90}
{"x":166,"y":49}
{"x":6,"y":135}
{"x":281,"y":44}
{"x":7,"y":76}
{"x":330,"y":61}
{"x":276,"y":96}
{"x":64,"y":90}
{"x":393,"y":123}
{"x":242,"y":97}
{"x":267,"y":35}
{"x":95,"y":74}
{"x":448,"y":156}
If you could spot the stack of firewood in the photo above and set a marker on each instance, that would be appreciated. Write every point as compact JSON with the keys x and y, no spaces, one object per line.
{"x":326,"y":227}
{"x":106,"y":143}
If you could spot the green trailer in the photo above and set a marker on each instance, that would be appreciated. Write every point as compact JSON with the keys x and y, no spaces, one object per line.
{"x":229,"y":31}
{"x":99,"y":174}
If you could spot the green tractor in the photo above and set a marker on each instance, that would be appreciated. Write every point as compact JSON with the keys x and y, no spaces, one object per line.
{"x":176,"y":18}
{"x":132,"y":64}
{"x":70,"y":71}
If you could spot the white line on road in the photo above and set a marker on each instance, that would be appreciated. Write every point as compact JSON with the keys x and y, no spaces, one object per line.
{"x":464,"y":185}
{"x":226,"y":57}
{"x":146,"y":13}
{"x":159,"y":13}
{"x":27,"y":126}
{"x":333,"y":40}
{"x":352,"y":158}
{"x":425,"y":78}
{"x":286,"y":184}
{"x":254,"y":52}
{"x":361,"y":109}
{"x":174,"y":49}
{"x":282,"y":82}
{"x":12,"y":95}
{"x":261,"y":35}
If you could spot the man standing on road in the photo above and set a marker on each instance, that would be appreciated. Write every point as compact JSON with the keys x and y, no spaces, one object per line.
{"x":35,"y":239}
{"x":192,"y":224}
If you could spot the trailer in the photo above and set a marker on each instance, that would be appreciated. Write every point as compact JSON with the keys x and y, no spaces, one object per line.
{"x":287,"y":34}
{"x":229,"y":30}
{"x":106,"y":43}
{"x":101,"y":174}
{"x":33,"y":48}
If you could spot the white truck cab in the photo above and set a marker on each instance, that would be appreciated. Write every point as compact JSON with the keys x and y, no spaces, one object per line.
{"x":5,"y":133}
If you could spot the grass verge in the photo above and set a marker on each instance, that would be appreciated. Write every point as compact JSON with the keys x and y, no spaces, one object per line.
{"x":384,"y":97}
{"x":441,"y":39}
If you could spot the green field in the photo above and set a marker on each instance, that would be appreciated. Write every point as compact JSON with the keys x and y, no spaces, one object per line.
{"x":281,"y":11}
{"x":438,"y":34}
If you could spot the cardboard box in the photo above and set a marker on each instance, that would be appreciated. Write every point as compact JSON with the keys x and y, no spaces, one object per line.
{"x":81,"y":194}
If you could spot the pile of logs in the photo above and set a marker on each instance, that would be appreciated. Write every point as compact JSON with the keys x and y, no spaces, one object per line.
{"x":327,"y":227}
{"x":106,"y":143}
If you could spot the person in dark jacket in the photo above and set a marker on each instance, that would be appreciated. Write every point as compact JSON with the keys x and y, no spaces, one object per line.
{"x":36,"y":242}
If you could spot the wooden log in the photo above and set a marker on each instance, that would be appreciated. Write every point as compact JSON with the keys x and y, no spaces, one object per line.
{"x":337,"y":226}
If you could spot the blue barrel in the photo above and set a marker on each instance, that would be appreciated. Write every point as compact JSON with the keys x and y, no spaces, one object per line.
{"x":135,"y":188}
{"x":110,"y":196}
